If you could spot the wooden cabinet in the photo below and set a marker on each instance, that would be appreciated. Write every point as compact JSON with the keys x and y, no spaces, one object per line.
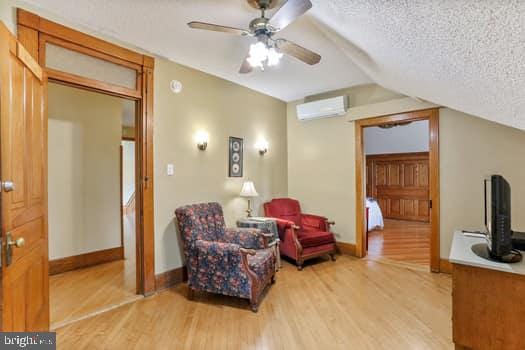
{"x":400,"y":183}
{"x":488,"y":308}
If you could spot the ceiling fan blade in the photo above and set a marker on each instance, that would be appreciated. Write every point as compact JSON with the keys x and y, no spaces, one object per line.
{"x":217,"y":28}
{"x":246,"y":67}
{"x":289,"y":12}
{"x":299,"y":52}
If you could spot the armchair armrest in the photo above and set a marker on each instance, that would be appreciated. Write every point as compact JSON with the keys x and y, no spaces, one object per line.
{"x":217,"y":252}
{"x":250,"y":238}
{"x":284,"y":224}
{"x":316,"y":222}
{"x":219,"y":261}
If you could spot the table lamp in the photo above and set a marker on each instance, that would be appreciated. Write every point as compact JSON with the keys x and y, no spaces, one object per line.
{"x":248,"y":191}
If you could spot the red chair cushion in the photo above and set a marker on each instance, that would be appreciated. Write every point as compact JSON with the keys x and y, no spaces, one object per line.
{"x":315,"y":238}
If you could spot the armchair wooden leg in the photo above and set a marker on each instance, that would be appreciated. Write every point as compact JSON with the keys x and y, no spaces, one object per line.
{"x":254,"y":306}
{"x":300,"y":265}
{"x":332,"y":256}
{"x":273,"y":279}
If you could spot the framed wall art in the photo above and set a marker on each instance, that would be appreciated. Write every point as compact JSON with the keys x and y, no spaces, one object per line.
{"x":235,"y":159}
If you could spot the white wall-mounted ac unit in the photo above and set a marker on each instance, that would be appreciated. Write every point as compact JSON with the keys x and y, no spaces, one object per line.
{"x":332,"y":107}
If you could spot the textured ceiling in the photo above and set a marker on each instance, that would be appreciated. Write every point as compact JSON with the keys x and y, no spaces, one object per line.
{"x":464,"y":54}
{"x":159,"y":26}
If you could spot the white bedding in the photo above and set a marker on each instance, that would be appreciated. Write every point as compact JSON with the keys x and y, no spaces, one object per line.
{"x":375,"y":216}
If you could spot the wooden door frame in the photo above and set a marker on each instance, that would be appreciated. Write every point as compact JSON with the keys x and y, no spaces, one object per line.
{"x":432,"y":115}
{"x":34,"y":32}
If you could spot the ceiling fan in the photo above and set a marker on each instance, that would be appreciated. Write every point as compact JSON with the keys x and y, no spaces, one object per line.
{"x":267,"y":51}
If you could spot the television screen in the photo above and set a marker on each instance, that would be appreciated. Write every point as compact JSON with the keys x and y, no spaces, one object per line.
{"x":498,"y":223}
{"x":497,"y":216}
{"x":488,"y":210}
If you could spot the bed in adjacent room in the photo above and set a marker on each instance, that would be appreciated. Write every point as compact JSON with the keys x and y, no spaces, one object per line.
{"x":375,"y":216}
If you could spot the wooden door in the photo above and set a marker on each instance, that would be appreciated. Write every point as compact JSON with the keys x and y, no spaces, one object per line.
{"x":23,"y":161}
{"x":400,"y":183}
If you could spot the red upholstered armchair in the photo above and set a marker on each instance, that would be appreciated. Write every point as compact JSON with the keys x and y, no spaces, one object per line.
{"x":303,"y":236}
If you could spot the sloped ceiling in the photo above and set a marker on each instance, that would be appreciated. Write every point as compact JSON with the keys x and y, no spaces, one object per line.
{"x":465,"y":54}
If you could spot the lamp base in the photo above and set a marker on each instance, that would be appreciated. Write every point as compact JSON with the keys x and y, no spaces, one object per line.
{"x":249,"y":210}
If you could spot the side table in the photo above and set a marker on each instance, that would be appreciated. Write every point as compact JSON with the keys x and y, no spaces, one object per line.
{"x":266,"y":225}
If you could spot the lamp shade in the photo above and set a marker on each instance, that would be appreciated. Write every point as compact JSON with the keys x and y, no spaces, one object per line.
{"x":248,"y":189}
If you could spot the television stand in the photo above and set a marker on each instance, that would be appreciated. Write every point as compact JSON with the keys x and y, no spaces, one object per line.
{"x":488,"y":306}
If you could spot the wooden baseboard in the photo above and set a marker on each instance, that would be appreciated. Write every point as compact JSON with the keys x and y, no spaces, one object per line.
{"x":171,"y":278}
{"x":84,"y":260}
{"x":346,"y":248}
{"x":445,"y":266}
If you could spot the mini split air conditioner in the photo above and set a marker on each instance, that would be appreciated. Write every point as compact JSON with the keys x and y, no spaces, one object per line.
{"x":332,"y":107}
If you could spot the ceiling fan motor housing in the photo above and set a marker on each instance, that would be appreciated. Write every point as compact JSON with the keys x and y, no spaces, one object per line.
{"x":260,"y":26}
{"x":263,"y":4}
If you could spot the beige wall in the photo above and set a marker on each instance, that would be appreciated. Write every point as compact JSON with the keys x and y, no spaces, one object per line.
{"x":321,"y":161}
{"x":222,"y":109}
{"x":321,"y":158}
{"x":472,"y":148}
{"x":8,"y":14}
{"x":84,"y":171}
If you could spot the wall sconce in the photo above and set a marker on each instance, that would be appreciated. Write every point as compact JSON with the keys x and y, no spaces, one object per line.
{"x":202,"y":140}
{"x":262,"y":146}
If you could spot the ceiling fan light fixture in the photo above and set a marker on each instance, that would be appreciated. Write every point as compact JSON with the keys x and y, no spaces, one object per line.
{"x":255,"y":63}
{"x":261,"y":55}
{"x":274,"y":57}
{"x":258,"y":52}
{"x":267,"y":51}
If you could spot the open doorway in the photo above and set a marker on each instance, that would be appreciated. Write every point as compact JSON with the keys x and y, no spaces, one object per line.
{"x":128,"y":182}
{"x":397,"y":188}
{"x":92,"y":232}
{"x":397,"y":191}
{"x":75,"y":59}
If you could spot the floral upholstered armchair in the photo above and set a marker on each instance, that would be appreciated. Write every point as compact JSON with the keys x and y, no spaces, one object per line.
{"x":229,"y":261}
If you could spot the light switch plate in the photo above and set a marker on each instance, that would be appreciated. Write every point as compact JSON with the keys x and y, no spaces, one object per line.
{"x":170,"y":169}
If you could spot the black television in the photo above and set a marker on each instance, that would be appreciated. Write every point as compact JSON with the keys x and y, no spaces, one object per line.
{"x":498,"y":220}
{"x":497,"y":216}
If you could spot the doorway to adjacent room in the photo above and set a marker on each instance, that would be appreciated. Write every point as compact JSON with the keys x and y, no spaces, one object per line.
{"x":92,"y":231}
{"x":74,"y":60}
{"x":397,"y":168}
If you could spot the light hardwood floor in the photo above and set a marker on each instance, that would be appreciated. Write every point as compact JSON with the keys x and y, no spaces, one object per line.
{"x":406,"y":241}
{"x":76,"y":294}
{"x":347,"y":304}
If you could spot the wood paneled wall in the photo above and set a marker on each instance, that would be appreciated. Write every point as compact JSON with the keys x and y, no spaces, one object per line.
{"x":400,"y":183}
